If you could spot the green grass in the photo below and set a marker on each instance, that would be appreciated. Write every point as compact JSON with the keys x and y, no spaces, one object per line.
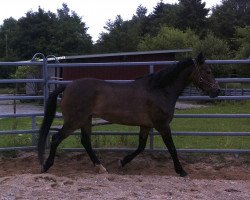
{"x":178,"y":124}
{"x":235,"y":85}
{"x":6,"y":90}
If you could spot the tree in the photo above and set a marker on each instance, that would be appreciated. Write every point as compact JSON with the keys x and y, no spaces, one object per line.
{"x":227,"y":17}
{"x":71,"y":33}
{"x":113,"y":40}
{"x":243,"y":52}
{"x":138,"y":23}
{"x":192,"y":14}
{"x":121,"y":36}
{"x":243,"y":40}
{"x":212,"y":47}
{"x":169,"y":38}
{"x":32,"y":72}
{"x":7,"y":37}
{"x":126,"y":35}
{"x":162,"y":15}
{"x":59,"y":34}
{"x":35,"y":33}
{"x":7,"y":51}
{"x":140,"y":12}
{"x":188,"y":14}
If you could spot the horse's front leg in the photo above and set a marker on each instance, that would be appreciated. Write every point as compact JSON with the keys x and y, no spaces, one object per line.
{"x":143,"y":135}
{"x":165,"y":132}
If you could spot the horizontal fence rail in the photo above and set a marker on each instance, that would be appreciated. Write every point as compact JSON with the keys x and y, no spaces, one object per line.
{"x":188,"y":95}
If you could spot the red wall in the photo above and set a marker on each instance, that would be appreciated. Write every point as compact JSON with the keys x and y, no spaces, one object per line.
{"x":113,"y":73}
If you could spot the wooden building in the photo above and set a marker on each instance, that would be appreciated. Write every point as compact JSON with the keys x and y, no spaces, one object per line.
{"x":115,"y":72}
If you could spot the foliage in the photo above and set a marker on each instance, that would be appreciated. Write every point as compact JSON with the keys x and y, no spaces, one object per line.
{"x":169,"y":38}
{"x":33,"y":33}
{"x":243,"y":40}
{"x":8,"y":33}
{"x":59,"y":34}
{"x":122,"y":35}
{"x":63,"y":33}
{"x":126,"y":35}
{"x":31,"y":72}
{"x":6,"y":71}
{"x":71,"y":33}
{"x":227,"y":17}
{"x":192,"y":14}
{"x":116,"y":38}
{"x":186,"y":15}
{"x":7,"y":53}
{"x":23,"y":71}
{"x":162,"y":15}
{"x":212,"y":47}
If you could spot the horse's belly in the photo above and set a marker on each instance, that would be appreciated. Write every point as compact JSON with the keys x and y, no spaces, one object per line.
{"x":121,"y":109}
{"x":126,"y":118}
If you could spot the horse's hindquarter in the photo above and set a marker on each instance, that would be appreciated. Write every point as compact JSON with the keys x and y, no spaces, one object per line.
{"x":78,"y":99}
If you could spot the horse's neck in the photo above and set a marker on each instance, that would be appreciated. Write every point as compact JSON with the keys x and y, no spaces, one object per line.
{"x":180,"y":82}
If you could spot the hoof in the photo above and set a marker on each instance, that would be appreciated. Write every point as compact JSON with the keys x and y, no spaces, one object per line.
{"x":43,"y":169}
{"x":101,"y":169}
{"x":120,"y":163}
{"x":183,"y":174}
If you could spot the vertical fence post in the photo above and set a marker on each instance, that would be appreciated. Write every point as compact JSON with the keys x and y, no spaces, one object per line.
{"x":151,"y":133}
{"x":52,"y":57}
{"x":45,"y":78}
{"x":45,"y":91}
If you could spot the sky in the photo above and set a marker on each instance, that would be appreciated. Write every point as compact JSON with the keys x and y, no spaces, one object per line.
{"x":95,"y":13}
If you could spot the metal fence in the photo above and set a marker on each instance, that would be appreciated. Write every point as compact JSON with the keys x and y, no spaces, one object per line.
{"x":46,"y":81}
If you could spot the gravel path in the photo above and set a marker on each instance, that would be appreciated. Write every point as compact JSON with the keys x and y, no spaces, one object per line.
{"x":20,"y":108}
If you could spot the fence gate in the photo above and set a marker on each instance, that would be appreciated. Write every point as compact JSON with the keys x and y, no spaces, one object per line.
{"x":31,"y":133}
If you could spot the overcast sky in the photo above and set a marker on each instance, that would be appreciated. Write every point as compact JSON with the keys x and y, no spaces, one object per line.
{"x":95,"y":13}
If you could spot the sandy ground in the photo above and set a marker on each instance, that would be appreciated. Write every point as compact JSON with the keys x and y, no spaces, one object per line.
{"x":148,"y":176}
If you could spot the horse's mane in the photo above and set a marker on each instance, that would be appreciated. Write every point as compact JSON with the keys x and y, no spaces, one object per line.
{"x":167,"y":75}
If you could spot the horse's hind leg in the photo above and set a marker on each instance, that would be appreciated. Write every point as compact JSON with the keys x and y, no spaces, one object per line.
{"x":143,"y":136}
{"x":86,"y":142}
{"x":165,"y":132}
{"x":56,"y":140}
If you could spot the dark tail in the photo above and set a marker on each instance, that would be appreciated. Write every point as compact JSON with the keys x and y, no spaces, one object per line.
{"x":47,"y":121}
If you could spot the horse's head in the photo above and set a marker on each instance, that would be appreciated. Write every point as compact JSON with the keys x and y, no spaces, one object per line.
{"x":203,"y":78}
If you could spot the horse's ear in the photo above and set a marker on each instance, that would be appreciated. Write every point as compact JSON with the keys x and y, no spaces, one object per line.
{"x":200,"y":59}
